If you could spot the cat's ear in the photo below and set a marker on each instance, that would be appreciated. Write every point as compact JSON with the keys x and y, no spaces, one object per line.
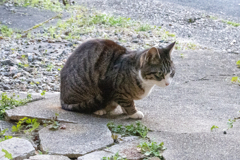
{"x":170,"y":48}
{"x":152,"y":54}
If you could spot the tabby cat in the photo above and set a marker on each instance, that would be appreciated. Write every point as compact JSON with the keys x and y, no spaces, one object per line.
{"x":100,"y":75}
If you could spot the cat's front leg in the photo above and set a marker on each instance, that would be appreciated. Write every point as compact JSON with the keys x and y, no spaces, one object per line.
{"x":129,"y":108}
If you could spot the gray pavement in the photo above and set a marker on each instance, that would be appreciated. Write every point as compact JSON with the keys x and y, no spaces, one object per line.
{"x":180,"y":115}
{"x":23,"y":18}
{"x":223,"y":7}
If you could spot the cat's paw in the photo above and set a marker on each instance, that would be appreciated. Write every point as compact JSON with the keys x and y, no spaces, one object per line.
{"x":100,"y":112}
{"x":137,"y":115}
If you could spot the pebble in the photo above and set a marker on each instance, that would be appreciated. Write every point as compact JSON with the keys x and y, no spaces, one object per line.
{"x":6,"y":62}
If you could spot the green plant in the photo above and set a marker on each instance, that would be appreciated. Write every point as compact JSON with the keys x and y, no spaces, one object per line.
{"x":214,"y":127}
{"x":5,"y":31}
{"x":53,"y":5}
{"x":50,"y":67}
{"x":238,"y":63}
{"x":43,"y":93}
{"x":31,"y":125}
{"x":213,"y":18}
{"x":235,"y":79}
{"x":53,"y":122}
{"x":114,"y":157}
{"x":144,"y":27}
{"x":137,"y":130}
{"x":152,"y":149}
{"x":7,"y":103}
{"x":4,"y":137}
{"x":7,"y":154}
{"x":230,"y":123}
{"x":231,"y":23}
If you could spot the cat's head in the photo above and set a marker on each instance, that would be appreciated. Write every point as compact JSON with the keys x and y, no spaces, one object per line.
{"x":157,"y":67}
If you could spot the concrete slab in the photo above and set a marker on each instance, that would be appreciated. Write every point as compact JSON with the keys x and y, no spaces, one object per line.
{"x":48,"y":157}
{"x":23,"y":18}
{"x":75,"y":140}
{"x":46,"y":109}
{"x":190,"y":146}
{"x":95,"y":155}
{"x":19,"y":148}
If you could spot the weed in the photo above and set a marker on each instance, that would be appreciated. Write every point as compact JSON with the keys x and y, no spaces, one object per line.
{"x":230,"y":123}
{"x":191,"y":46}
{"x":144,"y":27}
{"x":53,"y":5}
{"x":5,"y":31}
{"x":29,"y":35}
{"x":238,"y":63}
{"x":4,"y":137}
{"x":152,"y":149}
{"x":170,"y":34}
{"x":231,"y":23}
{"x":18,"y":36}
{"x":7,"y":154}
{"x":53,"y":122}
{"x":137,"y":130}
{"x":7,"y":103}
{"x":114,"y":157}
{"x":214,"y":127}
{"x":31,"y":125}
{"x":235,"y":79}
{"x":50,"y":67}
{"x":213,"y":17}
{"x":43,"y":93}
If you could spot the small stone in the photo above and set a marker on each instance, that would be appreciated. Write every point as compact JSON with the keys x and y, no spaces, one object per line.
{"x":30,"y":57}
{"x":16,"y":75}
{"x":224,"y":132}
{"x":7,"y":62}
{"x":6,"y":87}
{"x":135,"y":41}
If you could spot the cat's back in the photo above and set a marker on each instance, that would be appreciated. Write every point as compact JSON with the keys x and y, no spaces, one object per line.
{"x":88,"y":64}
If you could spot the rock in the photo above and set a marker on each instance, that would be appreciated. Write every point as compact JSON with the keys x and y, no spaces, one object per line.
{"x":95,"y":155}
{"x":7,"y":62}
{"x":30,"y":57}
{"x":16,"y":75}
{"x":6,"y":87}
{"x":48,"y":157}
{"x":135,"y":41}
{"x":75,"y":140}
{"x":19,"y":148}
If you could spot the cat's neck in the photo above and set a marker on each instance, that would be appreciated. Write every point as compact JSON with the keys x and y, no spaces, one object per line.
{"x":133,"y":58}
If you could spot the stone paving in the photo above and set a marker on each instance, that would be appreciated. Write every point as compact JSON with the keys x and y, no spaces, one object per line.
{"x":180,"y":115}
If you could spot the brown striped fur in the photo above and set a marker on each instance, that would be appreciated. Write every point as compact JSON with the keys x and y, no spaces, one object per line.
{"x":102,"y":74}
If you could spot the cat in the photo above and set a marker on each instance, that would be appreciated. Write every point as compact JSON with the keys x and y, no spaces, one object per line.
{"x":100,"y":75}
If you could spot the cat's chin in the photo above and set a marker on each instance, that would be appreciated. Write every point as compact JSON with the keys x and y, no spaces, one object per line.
{"x":162,"y":85}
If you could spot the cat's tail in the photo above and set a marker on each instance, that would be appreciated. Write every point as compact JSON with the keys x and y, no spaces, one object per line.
{"x":81,"y":107}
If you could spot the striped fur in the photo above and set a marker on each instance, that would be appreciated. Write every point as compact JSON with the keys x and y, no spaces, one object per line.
{"x":102,"y":74}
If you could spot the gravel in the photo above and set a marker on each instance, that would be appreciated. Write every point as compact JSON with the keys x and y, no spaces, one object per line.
{"x":200,"y":26}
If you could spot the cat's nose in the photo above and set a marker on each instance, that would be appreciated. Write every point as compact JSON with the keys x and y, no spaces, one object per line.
{"x":167,"y":84}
